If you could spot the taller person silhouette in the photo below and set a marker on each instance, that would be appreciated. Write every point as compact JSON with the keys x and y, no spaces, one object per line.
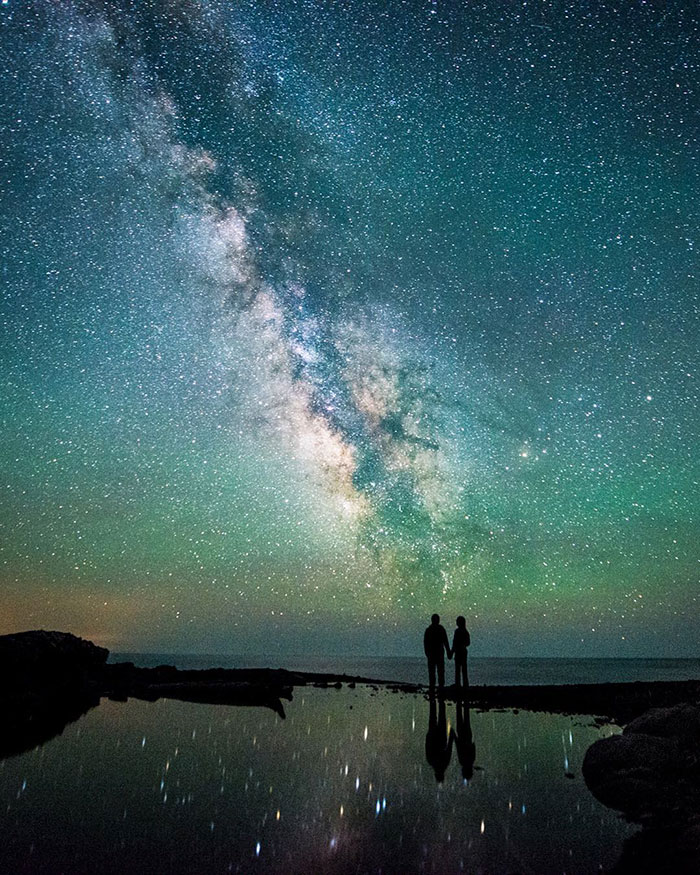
{"x":435,"y":644}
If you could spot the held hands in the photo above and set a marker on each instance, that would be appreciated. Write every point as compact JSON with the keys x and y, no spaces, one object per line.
{"x":450,"y":653}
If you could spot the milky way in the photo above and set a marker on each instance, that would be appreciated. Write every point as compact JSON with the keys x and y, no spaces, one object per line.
{"x":319,"y":317}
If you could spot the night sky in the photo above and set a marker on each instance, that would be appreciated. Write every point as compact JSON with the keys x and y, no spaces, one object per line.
{"x":319,"y":317}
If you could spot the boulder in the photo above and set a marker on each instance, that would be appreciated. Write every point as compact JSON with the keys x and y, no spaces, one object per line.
{"x":631,"y":773}
{"x":652,"y":770}
{"x":652,"y":774}
{"x":681,"y":724}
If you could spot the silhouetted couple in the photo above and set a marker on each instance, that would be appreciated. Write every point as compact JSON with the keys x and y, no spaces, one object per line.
{"x":436,"y":643}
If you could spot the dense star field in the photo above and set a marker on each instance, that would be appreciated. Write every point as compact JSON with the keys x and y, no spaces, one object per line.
{"x":320,"y":316}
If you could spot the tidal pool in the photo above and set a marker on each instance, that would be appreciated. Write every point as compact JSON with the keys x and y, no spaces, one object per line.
{"x":347,"y":783}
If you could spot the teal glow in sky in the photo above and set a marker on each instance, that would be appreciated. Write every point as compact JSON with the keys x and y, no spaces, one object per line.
{"x":320,"y":317}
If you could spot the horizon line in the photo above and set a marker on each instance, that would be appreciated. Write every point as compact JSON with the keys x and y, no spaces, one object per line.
{"x":375,"y":656}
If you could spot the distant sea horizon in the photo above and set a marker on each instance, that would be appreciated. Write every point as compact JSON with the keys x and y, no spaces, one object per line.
{"x":487,"y":670}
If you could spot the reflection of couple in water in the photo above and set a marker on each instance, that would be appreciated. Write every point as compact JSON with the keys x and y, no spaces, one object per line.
{"x":439,"y":740}
{"x":436,"y":644}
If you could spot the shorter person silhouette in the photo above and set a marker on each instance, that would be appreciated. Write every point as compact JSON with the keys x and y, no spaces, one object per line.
{"x":460,"y":642}
{"x":435,"y":644}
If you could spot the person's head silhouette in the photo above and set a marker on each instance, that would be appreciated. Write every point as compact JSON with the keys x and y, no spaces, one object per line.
{"x":435,"y":619}
{"x":461,"y":622}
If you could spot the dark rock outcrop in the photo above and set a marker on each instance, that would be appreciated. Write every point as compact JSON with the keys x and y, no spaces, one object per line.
{"x":47,"y":680}
{"x":652,"y":774}
{"x":36,"y":655}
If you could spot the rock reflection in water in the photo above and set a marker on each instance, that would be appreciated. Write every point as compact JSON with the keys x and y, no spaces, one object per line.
{"x":35,"y":720}
{"x":341,"y":786}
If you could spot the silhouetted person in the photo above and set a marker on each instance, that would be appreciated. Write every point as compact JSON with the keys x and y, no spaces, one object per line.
{"x":438,"y":742}
{"x":460,"y":642}
{"x":464,"y":741}
{"x":435,"y":644}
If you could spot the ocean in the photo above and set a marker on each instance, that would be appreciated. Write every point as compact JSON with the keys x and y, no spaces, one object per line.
{"x":504,"y":671}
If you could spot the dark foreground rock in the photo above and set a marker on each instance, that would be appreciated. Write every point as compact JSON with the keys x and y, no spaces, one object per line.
{"x":651,"y":773}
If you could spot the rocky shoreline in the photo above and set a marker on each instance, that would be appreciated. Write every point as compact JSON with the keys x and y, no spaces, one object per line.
{"x":50,"y":678}
{"x":37,"y":665}
{"x":651,"y":773}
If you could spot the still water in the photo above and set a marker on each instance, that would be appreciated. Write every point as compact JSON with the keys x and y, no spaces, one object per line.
{"x":346,"y":783}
